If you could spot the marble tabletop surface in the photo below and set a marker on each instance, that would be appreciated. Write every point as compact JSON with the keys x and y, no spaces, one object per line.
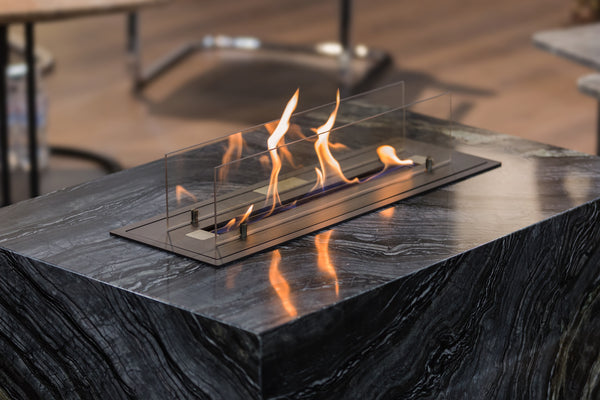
{"x":580,"y":44}
{"x":15,"y":11}
{"x":70,"y":230}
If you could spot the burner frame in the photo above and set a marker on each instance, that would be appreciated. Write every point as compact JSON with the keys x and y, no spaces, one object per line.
{"x":192,"y":230}
{"x":284,"y":227}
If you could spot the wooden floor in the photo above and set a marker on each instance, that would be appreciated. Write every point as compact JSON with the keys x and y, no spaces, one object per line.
{"x":481,"y":51}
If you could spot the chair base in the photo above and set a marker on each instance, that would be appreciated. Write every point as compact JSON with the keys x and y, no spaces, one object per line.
{"x":376,"y":60}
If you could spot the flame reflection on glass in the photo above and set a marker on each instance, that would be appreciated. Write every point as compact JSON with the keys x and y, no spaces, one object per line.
{"x":323,"y":261}
{"x":235,"y":145}
{"x":264,"y":162}
{"x":180,"y":191}
{"x":280,"y":284}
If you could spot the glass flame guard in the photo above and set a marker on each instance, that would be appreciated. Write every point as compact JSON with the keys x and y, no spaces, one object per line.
{"x":252,"y":190}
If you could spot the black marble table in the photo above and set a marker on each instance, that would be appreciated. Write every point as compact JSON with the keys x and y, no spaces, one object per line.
{"x":487,"y":288}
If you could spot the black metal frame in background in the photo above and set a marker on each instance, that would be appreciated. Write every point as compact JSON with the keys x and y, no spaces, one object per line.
{"x":106,"y":163}
{"x":377,"y":59}
{"x":6,"y":198}
{"x":34,"y":178}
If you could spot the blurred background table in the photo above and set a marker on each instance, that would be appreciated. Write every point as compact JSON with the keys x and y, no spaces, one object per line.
{"x":580,"y":44}
{"x":28,"y":12}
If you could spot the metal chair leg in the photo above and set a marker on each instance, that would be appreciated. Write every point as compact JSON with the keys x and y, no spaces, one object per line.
{"x":34,"y":172}
{"x":346,"y":55}
{"x":6,"y":195}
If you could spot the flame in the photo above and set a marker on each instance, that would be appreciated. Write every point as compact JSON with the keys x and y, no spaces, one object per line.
{"x":323,"y":261}
{"x":237,"y":221}
{"x":247,"y":214}
{"x":278,"y":152}
{"x":230,"y":225}
{"x":329,"y":165}
{"x":235,"y":145}
{"x":319,"y":182}
{"x":387,"y":155}
{"x":286,"y":154}
{"x":180,"y":191}
{"x":282,"y":127}
{"x":293,"y":130}
{"x":338,"y":146}
{"x":270,"y":126}
{"x":280,"y":284}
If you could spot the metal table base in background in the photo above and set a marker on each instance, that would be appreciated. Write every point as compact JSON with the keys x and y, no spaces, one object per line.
{"x":343,"y":50}
{"x":34,"y":177}
{"x":108,"y":164}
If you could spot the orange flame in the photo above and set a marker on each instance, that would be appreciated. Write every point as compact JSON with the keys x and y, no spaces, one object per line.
{"x":235,"y":145}
{"x":237,"y":221}
{"x":387,"y":155}
{"x":319,"y":182}
{"x":338,"y":146}
{"x":286,"y":154}
{"x":230,"y":225}
{"x":293,"y":130}
{"x":323,"y":261}
{"x":280,"y":284}
{"x":180,"y":191}
{"x":272,"y":142}
{"x":247,"y":214}
{"x":329,"y":165}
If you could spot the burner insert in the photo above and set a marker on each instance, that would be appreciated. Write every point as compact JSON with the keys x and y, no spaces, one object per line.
{"x":255,"y":189}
